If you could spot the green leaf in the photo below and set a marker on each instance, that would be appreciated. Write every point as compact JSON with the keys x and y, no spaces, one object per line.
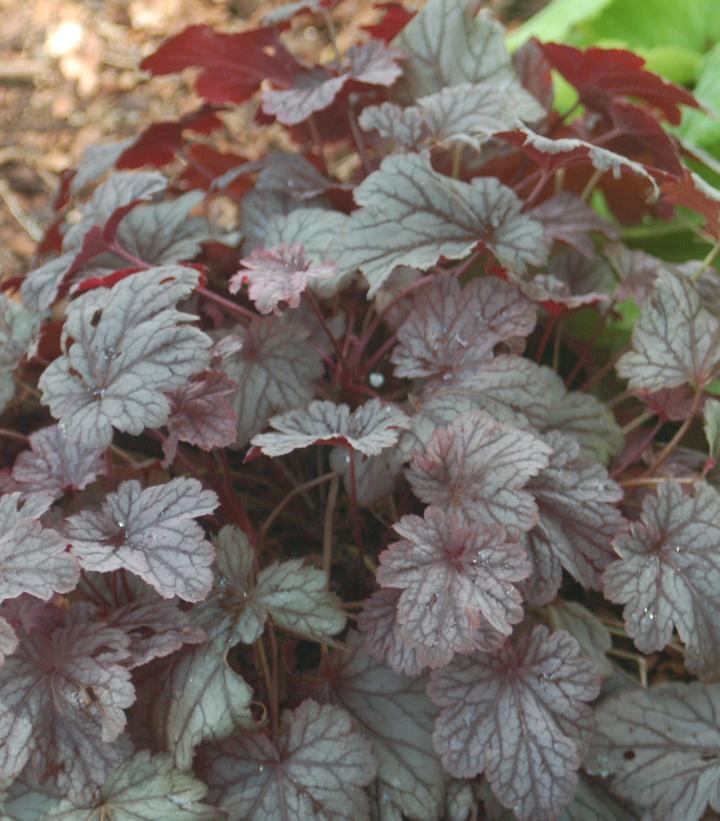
{"x":711,"y":426}
{"x":555,"y":21}
{"x":145,"y":788}
{"x":200,"y":698}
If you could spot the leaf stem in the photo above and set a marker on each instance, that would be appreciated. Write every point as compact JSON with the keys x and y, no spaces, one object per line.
{"x":296,"y":491}
{"x":228,"y":304}
{"x":328,"y":527}
{"x":679,"y":435}
{"x":265,"y":669}
{"x":11,"y":434}
{"x":639,"y":420}
{"x":312,"y":302}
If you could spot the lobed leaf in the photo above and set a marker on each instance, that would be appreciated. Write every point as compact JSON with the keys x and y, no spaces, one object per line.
{"x":151,"y":532}
{"x":33,"y":558}
{"x":369,"y":429}
{"x":62,"y":698}
{"x":316,"y":768}
{"x":279,"y":275}
{"x":481,"y":467}
{"x":520,"y":716}
{"x":411,"y":215}
{"x":452,"y":329}
{"x":396,"y":716}
{"x":124,"y":349}
{"x":54,"y":465}
{"x":674,"y":341}
{"x":661,"y":746}
{"x":454,"y":576}
{"x":578,"y":521}
{"x":667,"y":574}
{"x":275,"y":370}
{"x":294,"y":595}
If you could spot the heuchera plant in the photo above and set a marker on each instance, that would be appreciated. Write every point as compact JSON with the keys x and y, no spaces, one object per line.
{"x":393,"y":501}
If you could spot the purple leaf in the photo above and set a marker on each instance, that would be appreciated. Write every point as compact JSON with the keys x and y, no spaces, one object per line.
{"x":396,"y":715}
{"x":383,"y":638}
{"x":566,"y":218}
{"x":519,"y":716}
{"x":668,"y":575}
{"x":369,"y":429}
{"x":54,"y":465}
{"x":578,"y":521}
{"x":198,"y":698}
{"x":279,"y":275}
{"x":451,"y":329}
{"x":124,"y":349}
{"x":33,"y":559}
{"x":411,"y":215}
{"x":675,"y":340}
{"x":274,"y":371}
{"x":63,"y":697}
{"x":293,"y":594}
{"x":316,"y":768}
{"x":661,"y":746}
{"x":152,"y":533}
{"x":201,"y":414}
{"x":481,"y":467}
{"x":454,"y":576}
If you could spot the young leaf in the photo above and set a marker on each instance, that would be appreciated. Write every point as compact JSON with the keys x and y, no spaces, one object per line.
{"x":454,"y":576}
{"x":233,"y":65}
{"x":152,"y":533}
{"x":54,"y":465}
{"x":369,"y":429}
{"x":198,"y":698}
{"x":145,"y":788}
{"x":279,"y":275}
{"x":383,"y":638}
{"x":451,"y":329}
{"x":396,"y":715}
{"x":668,"y":575}
{"x":674,"y":340}
{"x":578,"y":521}
{"x":518,"y":715}
{"x":274,"y":370}
{"x":411,"y":215}
{"x":33,"y":558}
{"x":316,"y":768}
{"x":449,"y":43}
{"x":291,"y":593}
{"x":124,"y":349}
{"x":661,"y":747}
{"x":481,"y":467}
{"x":62,"y":700}
{"x":201,"y":414}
